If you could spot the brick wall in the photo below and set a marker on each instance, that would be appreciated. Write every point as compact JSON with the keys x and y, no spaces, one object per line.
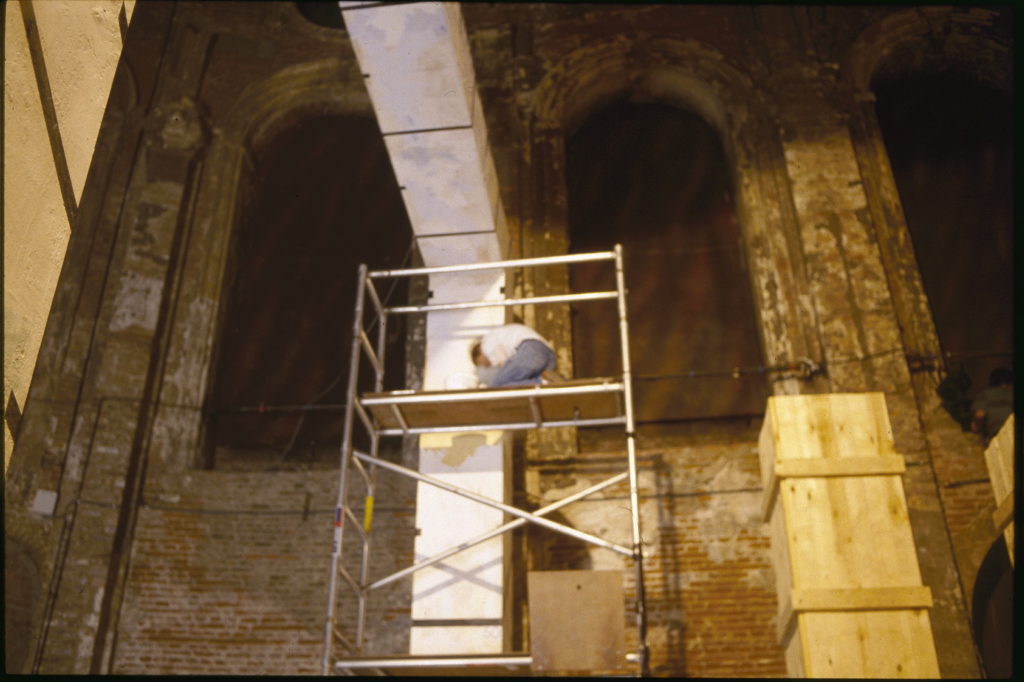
{"x":710,"y":587}
{"x":230,"y":577}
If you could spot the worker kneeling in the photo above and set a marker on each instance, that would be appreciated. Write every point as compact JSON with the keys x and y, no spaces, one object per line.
{"x":518,"y":354}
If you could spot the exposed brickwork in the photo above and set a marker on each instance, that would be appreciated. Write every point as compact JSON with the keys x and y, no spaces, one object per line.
{"x":232,"y":576}
{"x":710,"y":589}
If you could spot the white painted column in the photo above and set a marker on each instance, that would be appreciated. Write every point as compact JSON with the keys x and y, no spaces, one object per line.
{"x":419,"y":73}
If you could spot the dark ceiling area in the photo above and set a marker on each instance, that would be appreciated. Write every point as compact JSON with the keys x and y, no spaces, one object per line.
{"x":323,"y":200}
{"x":655,"y":179}
{"x":950,"y":143}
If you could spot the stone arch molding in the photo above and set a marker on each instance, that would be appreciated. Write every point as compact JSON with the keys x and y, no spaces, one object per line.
{"x":961,"y":35}
{"x":697,"y":77}
{"x":263,"y":110}
{"x":687,"y":74}
{"x":292,"y":94}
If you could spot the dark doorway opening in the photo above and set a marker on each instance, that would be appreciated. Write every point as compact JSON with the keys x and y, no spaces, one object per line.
{"x":950,"y":144}
{"x":655,"y":178}
{"x":322,"y":200}
{"x":993,"y":611}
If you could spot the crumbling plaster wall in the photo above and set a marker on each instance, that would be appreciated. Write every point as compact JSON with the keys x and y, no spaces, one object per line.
{"x":833,"y":273}
{"x":114,"y":425}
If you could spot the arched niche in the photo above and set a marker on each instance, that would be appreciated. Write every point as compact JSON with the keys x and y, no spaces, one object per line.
{"x":992,"y":611}
{"x":321,"y":199}
{"x":655,"y":178}
{"x":695,"y":78}
{"x":265,"y":110}
{"x":890,"y":59}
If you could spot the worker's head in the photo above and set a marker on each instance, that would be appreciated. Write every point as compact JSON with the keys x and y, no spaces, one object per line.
{"x":479,"y":359}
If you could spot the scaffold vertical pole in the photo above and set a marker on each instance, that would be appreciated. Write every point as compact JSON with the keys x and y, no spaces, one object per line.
{"x":346,"y":455}
{"x":634,"y":501}
{"x":371,"y":479}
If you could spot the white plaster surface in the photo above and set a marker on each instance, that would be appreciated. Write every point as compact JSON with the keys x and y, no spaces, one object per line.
{"x":414,"y":76}
{"x":458,"y":249}
{"x":419,"y":77}
{"x":468,"y":584}
{"x":442,"y":173}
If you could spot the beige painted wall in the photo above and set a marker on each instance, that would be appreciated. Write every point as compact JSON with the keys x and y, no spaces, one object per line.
{"x":81,"y":44}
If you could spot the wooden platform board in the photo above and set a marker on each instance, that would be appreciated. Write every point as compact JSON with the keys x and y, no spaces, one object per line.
{"x":577,"y":622}
{"x":420,"y":412}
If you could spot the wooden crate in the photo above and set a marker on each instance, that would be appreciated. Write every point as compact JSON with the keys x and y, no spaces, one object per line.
{"x":850,"y":593}
{"x":999,"y":460}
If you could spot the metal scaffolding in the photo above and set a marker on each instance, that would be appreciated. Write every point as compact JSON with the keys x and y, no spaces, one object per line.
{"x":584,"y":402}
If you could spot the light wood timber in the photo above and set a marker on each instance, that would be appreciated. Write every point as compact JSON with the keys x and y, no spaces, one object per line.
{"x":852,"y":602}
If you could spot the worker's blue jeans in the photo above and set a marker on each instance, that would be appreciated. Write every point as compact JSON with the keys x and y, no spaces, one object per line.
{"x":526,"y":365}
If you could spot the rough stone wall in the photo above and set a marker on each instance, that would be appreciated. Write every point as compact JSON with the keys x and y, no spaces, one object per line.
{"x":146,"y":555}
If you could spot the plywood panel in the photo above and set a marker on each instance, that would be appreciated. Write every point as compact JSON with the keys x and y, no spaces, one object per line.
{"x":500,"y":409}
{"x":850,"y":593}
{"x":1000,"y":462}
{"x":577,"y":621}
{"x":874,"y":644}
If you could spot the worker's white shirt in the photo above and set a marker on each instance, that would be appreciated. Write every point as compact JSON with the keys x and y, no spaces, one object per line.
{"x":499,"y":344}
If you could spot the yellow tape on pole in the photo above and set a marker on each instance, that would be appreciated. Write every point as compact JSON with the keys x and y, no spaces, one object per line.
{"x":368,"y":513}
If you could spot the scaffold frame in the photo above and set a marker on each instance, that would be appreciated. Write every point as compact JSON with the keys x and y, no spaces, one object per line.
{"x":368,"y":409}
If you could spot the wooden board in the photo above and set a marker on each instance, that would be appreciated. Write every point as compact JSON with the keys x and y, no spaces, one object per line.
{"x":501,"y":409}
{"x":577,"y":622}
{"x":851,"y":599}
{"x":999,"y":460}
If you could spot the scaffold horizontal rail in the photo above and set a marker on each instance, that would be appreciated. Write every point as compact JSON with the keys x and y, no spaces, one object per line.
{"x":500,"y":426}
{"x":498,"y":264}
{"x":590,"y":402}
{"x":438,"y":661}
{"x":504,"y":302}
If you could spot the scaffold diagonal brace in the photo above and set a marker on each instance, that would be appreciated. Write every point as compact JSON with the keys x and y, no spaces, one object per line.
{"x":514,"y":511}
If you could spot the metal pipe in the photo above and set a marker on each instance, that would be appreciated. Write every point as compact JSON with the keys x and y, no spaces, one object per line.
{"x":346,"y":453}
{"x":362,"y":471}
{"x":374,"y":360}
{"x":363,"y":417}
{"x":504,"y":303}
{"x":355,"y":522}
{"x":495,"y":532}
{"x":402,"y":398}
{"x":535,"y":410}
{"x":372,"y":290}
{"x":634,"y":500}
{"x":517,"y":426}
{"x":350,"y":580}
{"x":514,"y":511}
{"x":399,"y":418}
{"x":495,"y":265}
{"x":433,"y":662}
